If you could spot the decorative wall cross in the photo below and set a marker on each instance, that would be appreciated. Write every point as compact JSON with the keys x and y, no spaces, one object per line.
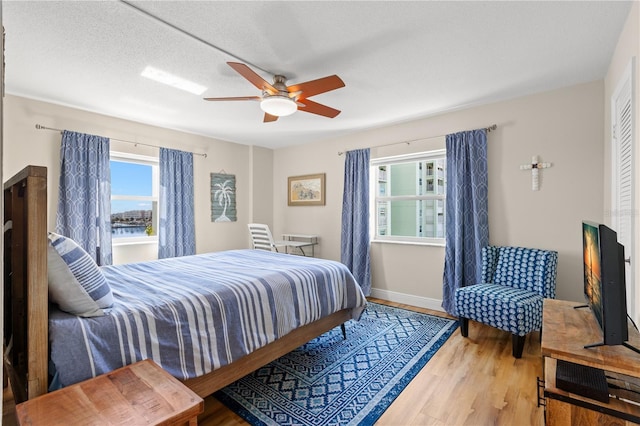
{"x":534,"y":167}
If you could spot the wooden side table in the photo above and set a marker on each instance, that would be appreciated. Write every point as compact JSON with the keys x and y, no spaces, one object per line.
{"x":565,"y":331}
{"x":138,"y":394}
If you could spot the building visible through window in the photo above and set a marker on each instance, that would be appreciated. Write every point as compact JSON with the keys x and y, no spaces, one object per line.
{"x":410,"y":197}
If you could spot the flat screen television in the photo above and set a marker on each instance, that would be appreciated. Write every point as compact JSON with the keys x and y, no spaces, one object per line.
{"x":604,"y":282}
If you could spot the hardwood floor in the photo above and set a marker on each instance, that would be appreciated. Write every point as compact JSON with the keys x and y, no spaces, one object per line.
{"x":469,"y":381}
{"x":473,"y":381}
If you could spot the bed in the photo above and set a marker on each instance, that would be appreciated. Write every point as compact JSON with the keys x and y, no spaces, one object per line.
{"x":231,"y":313}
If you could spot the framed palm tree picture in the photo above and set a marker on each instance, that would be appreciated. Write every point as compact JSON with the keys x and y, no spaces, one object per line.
{"x":223,"y":198}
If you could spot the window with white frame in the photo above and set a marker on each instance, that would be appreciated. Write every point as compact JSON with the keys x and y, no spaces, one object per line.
{"x":409,"y":197}
{"x":134,"y":198}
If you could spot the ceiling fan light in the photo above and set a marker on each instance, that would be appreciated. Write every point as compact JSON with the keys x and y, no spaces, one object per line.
{"x":278,"y":105}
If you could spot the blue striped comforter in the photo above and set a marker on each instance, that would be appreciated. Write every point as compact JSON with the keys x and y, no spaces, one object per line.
{"x":194,"y":314}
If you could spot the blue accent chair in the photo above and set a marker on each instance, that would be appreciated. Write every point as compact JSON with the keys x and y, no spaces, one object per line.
{"x":515,"y":280}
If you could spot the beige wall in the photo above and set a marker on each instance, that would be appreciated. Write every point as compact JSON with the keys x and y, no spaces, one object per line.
{"x":628,"y":47}
{"x":261,"y":210}
{"x":564,"y":127}
{"x":24,"y":145}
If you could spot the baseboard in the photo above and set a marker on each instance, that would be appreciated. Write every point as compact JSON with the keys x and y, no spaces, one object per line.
{"x":408,"y":299}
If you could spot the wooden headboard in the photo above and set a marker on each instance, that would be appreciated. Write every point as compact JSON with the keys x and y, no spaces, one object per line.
{"x":25,"y":283}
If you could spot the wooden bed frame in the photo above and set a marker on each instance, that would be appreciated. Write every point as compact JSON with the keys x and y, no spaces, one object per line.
{"x":26,"y":300}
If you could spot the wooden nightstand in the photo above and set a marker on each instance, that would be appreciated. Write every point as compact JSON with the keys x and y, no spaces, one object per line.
{"x":138,"y":394}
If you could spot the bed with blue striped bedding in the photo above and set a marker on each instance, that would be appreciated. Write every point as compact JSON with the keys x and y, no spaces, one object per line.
{"x":194,"y":314}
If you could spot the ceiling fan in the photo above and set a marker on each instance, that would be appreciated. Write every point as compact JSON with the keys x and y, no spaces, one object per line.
{"x":279,"y":100}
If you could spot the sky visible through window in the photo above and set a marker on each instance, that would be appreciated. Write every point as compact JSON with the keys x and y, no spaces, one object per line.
{"x":130,"y":179}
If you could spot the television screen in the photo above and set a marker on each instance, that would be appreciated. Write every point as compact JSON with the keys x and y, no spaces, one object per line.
{"x":592,"y":276}
{"x":604,"y":281}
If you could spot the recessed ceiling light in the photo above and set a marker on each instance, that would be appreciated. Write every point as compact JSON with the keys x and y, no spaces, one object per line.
{"x":173,"y":80}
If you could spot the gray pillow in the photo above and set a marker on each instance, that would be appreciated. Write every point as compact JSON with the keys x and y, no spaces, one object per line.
{"x":76,"y":283}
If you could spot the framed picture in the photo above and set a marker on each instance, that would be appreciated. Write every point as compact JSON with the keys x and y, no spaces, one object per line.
{"x":307,"y":190}
{"x":223,"y":197}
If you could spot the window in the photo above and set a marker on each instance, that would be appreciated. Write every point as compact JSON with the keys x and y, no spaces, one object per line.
{"x":134,"y":198}
{"x":409,"y":197}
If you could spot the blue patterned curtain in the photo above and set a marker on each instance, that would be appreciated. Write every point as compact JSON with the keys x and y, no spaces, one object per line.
{"x":355,"y":217}
{"x":176,"y":236}
{"x":84,"y":195}
{"x":467,"y":212}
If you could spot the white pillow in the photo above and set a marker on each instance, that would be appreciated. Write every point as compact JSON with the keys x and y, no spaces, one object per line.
{"x":76,"y":283}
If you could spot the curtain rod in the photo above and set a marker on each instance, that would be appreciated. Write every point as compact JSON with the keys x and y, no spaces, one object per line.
{"x":488,"y":129}
{"x":41,"y":127}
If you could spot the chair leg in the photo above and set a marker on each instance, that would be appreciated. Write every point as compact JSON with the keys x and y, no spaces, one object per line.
{"x":464,"y":327}
{"x":517,"y":345}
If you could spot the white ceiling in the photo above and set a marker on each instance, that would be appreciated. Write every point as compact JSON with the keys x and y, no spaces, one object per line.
{"x":399,"y":60}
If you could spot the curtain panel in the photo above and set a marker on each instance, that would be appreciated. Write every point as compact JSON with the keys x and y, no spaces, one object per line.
{"x":84,"y":195}
{"x":355,"y":242}
{"x":467,"y":212}
{"x":176,"y":233}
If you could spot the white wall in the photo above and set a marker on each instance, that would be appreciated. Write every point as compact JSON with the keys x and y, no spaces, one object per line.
{"x":564,"y":127}
{"x":24,"y":145}
{"x":628,"y":47}
{"x":1,"y":201}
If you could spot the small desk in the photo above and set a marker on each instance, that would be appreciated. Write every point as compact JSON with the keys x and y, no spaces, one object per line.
{"x":138,"y":394}
{"x":299,"y":241}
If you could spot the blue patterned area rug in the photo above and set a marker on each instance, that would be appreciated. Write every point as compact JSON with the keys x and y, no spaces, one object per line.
{"x":332,"y":381}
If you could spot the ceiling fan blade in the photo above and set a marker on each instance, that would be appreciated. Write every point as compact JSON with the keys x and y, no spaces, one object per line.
{"x":315,"y":87}
{"x":268,"y":118}
{"x":316,"y":108}
{"x":237,"y":98}
{"x":253,"y":78}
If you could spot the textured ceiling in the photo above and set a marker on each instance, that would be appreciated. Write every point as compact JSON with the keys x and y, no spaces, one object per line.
{"x":399,"y":60}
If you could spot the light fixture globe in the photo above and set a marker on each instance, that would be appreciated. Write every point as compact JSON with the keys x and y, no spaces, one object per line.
{"x":278,"y":105}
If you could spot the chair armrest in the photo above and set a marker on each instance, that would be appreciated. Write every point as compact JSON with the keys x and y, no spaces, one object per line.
{"x":548,"y":270}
